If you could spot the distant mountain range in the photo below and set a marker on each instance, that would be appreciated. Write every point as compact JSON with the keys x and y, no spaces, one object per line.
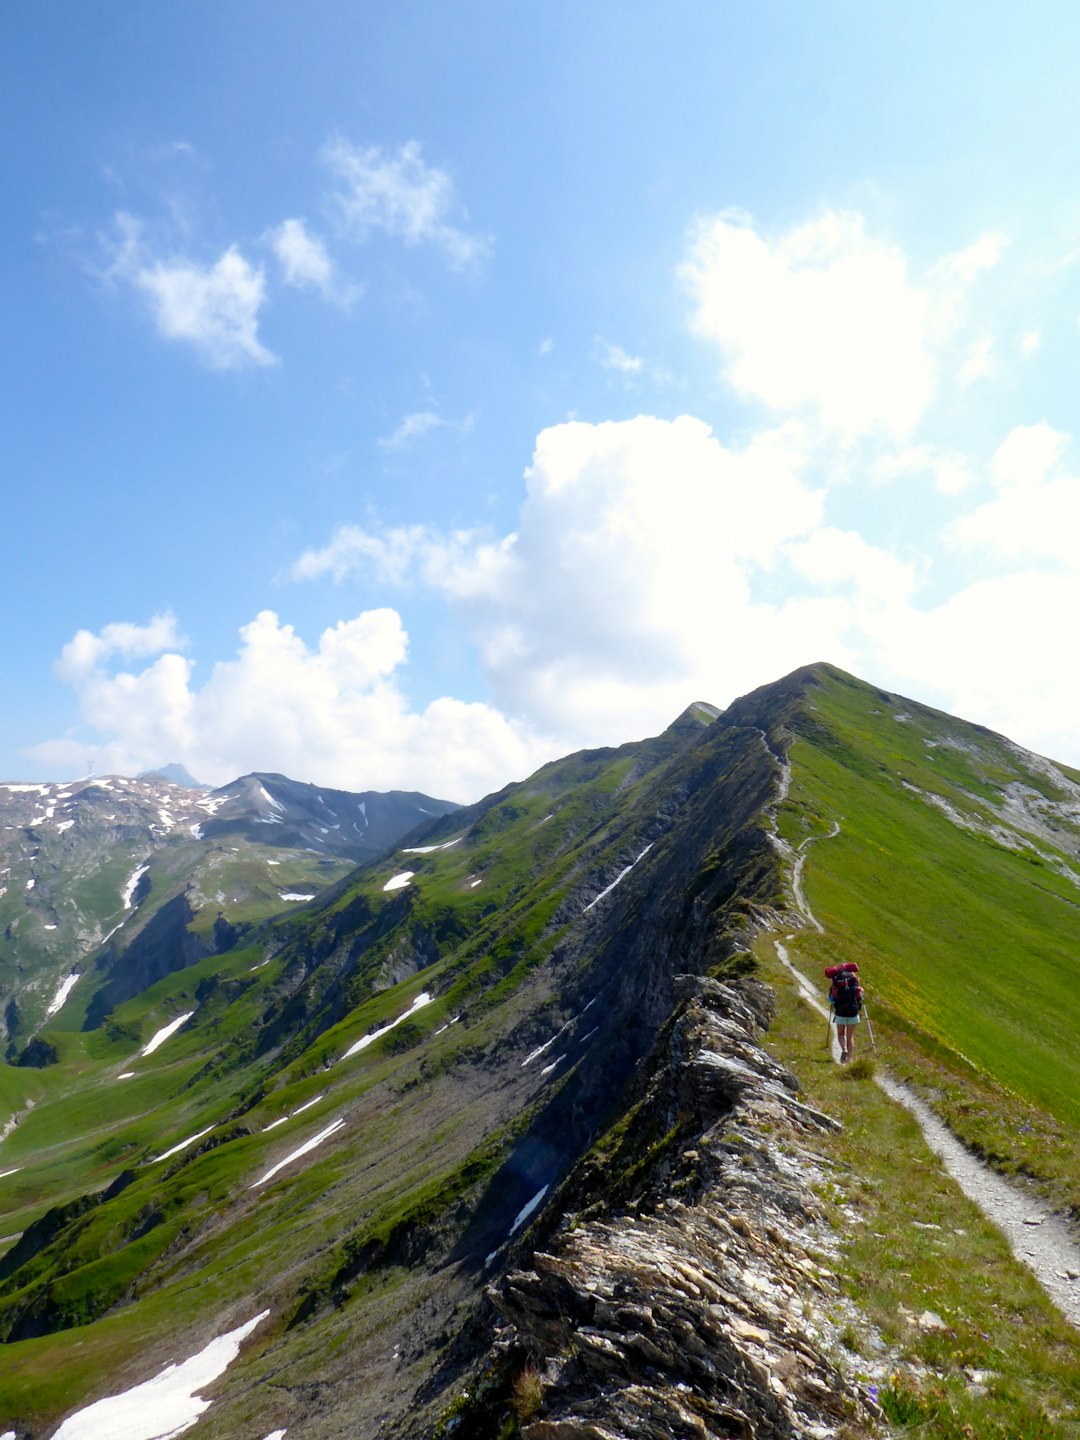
{"x":485,"y":1140}
{"x":163,"y":871}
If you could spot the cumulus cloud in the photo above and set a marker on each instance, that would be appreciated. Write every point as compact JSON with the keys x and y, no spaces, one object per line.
{"x":952,"y":471}
{"x":636,"y":548}
{"x":398,"y":193}
{"x":827,"y":319}
{"x":1036,"y":506}
{"x":333,"y":713}
{"x":213,"y":307}
{"x":306,"y":263}
{"x":85,"y":652}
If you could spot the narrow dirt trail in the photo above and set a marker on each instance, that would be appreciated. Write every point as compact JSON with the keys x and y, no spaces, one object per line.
{"x":1036,"y":1237}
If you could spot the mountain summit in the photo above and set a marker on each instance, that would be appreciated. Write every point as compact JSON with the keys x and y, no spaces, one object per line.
{"x":487,"y":1140}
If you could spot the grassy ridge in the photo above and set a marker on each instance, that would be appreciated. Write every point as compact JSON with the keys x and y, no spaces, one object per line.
{"x":1004,"y":1365}
{"x":968,"y":948}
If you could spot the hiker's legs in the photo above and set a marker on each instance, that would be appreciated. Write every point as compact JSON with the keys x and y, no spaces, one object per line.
{"x":843,"y":1034}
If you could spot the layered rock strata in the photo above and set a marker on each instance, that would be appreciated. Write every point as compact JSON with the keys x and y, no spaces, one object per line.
{"x":692,"y":1309}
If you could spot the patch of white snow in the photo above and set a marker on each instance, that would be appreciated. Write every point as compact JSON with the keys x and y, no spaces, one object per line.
{"x":166,"y":1030}
{"x":64,"y":991}
{"x":365,"y":1040}
{"x":162,"y":1407}
{"x":618,"y":878}
{"x":296,"y":1154}
{"x":128,"y":892}
{"x":398,"y":882}
{"x":182,"y":1146}
{"x":526,"y":1210}
{"x":306,"y":1106}
{"x":295,"y":895}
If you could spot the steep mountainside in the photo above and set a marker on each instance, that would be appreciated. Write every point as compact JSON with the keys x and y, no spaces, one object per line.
{"x":111,"y":859}
{"x":483,"y":1140}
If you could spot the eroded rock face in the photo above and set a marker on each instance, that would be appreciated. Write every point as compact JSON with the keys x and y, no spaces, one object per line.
{"x":689,"y":1312}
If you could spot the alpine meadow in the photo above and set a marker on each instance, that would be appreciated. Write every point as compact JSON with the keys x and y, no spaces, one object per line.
{"x":524,"y":1126}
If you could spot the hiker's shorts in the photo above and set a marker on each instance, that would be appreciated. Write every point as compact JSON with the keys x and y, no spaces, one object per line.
{"x":846,"y":1019}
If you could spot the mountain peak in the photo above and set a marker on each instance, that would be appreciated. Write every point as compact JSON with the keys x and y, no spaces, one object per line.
{"x":175,"y":773}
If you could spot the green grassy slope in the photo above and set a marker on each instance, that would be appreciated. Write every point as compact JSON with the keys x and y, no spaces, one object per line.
{"x":431,"y":1109}
{"x":954,"y":881}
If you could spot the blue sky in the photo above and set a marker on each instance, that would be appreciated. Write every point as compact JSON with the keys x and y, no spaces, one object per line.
{"x":401,"y":396}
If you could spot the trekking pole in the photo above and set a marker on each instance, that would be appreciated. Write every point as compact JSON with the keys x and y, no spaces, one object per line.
{"x":828,"y":1033}
{"x":870,"y":1028}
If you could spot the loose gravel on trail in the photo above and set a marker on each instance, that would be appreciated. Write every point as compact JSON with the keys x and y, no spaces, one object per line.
{"x":1038,"y":1238}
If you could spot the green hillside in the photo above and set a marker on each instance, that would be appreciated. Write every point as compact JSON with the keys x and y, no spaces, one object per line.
{"x":362,"y":1099}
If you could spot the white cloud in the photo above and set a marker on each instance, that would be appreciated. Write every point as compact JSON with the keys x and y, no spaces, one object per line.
{"x":974,"y":260}
{"x":400,"y":194}
{"x":614,"y":357}
{"x":843,"y":559}
{"x":1036,"y":509}
{"x":419,"y":423}
{"x":86,"y":651}
{"x":306,"y":263}
{"x":824,"y":318}
{"x":978,"y":362}
{"x":332,"y":713}
{"x":635,"y":551}
{"x":827,"y":319}
{"x":213,"y":307}
{"x":952,"y":472}
{"x":1030,"y":342}
{"x":546,"y":346}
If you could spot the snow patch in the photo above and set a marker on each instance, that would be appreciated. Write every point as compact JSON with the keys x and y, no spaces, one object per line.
{"x":618,"y":878}
{"x":31,"y":883}
{"x":63,"y":825}
{"x":182,"y":1146}
{"x":164,"y":1033}
{"x":303,"y":1150}
{"x":295,"y":895}
{"x":128,"y":892}
{"x":162,"y":1407}
{"x":126,"y":1075}
{"x":398,"y":882}
{"x":554,"y":1065}
{"x":429,"y":849}
{"x":526,"y":1210}
{"x":196,"y":831}
{"x":63,"y":992}
{"x":306,"y":1105}
{"x":365,"y":1040}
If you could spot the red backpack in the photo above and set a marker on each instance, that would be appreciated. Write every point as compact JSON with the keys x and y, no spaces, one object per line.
{"x":846,"y":992}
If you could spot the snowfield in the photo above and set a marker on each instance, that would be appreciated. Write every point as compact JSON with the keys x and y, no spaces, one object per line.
{"x":164,"y":1033}
{"x":331,"y":1129}
{"x":366,"y":1040}
{"x":162,"y":1407}
{"x":66,"y":987}
{"x":398,"y":882}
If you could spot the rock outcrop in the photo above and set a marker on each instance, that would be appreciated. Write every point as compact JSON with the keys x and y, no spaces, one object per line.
{"x":692,"y":1308}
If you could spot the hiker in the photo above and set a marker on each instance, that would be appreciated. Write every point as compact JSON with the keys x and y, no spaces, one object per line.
{"x":845,"y":1000}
